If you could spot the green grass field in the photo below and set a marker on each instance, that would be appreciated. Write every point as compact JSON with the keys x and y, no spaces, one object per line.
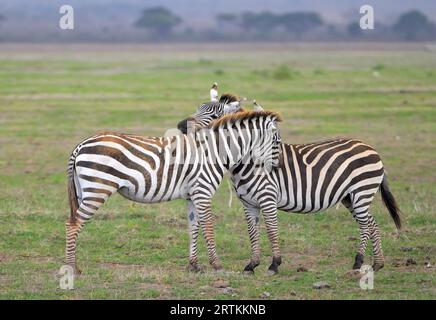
{"x":52,"y":97}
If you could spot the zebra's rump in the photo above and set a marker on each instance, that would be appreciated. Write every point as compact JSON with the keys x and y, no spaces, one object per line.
{"x":318,"y":175}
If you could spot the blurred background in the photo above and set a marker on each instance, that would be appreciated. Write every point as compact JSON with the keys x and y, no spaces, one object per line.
{"x":218,"y":20}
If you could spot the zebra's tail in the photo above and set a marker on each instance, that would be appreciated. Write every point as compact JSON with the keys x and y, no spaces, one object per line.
{"x":72,"y":192}
{"x":390,"y":203}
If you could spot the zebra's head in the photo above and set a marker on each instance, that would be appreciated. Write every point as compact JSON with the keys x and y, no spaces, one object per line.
{"x":257,"y":134}
{"x":210,"y":111}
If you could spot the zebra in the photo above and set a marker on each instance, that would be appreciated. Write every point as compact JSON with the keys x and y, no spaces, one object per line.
{"x":157,"y":169}
{"x":210,"y":111}
{"x":312,"y":178}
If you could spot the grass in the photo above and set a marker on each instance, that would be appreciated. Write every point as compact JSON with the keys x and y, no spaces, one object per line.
{"x":51,"y":100}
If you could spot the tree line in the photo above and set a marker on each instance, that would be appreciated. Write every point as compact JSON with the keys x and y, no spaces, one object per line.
{"x":161,"y":23}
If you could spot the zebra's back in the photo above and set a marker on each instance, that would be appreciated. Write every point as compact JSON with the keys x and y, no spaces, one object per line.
{"x":318,"y":175}
{"x":143,"y":169}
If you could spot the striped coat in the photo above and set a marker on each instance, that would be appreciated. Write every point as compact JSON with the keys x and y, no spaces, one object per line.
{"x":150,"y":170}
{"x":311,"y":178}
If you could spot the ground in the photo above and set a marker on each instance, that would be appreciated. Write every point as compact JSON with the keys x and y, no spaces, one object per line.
{"x":54,"y":96}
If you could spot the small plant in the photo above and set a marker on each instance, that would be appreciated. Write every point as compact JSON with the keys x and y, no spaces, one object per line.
{"x":379,"y":67}
{"x":282,"y":72}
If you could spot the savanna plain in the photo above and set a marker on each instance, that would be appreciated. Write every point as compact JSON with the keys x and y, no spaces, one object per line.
{"x":54,"y":96}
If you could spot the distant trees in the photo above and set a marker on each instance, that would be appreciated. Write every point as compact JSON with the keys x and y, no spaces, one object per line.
{"x":227,"y":21}
{"x":260,"y":22}
{"x":410,"y":26}
{"x":300,"y":22}
{"x":264,"y":23}
{"x":284,"y":26}
{"x":414,"y":25}
{"x":354,"y":29}
{"x":159,"y":20}
{"x":227,"y":17}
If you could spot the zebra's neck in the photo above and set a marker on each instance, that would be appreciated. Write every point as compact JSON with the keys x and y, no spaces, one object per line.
{"x":224,"y":147}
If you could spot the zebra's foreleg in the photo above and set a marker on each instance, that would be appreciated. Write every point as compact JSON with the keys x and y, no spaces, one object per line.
{"x":252,"y":217}
{"x":376,"y":245}
{"x":360,"y":214}
{"x":270,"y":217}
{"x":364,"y":230}
{"x":193,"y":237}
{"x":205,"y":217}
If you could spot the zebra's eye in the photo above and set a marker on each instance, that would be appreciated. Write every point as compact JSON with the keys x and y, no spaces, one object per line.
{"x":273,"y":127}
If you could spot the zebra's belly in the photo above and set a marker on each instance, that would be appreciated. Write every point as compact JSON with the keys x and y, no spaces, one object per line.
{"x":254,"y":202}
{"x":300,"y":209}
{"x":154,"y":196}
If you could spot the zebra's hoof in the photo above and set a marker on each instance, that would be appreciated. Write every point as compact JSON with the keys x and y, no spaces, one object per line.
{"x":272,"y":272}
{"x":248,"y":272}
{"x":358,"y":261}
{"x":195,"y":268}
{"x":377,"y":266}
{"x":219,"y":270}
{"x":218,"y":267}
{"x":77,"y":271}
{"x":249,"y":268}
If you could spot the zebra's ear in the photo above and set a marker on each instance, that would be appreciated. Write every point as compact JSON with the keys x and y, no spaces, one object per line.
{"x":257,"y":107}
{"x":232,"y":107}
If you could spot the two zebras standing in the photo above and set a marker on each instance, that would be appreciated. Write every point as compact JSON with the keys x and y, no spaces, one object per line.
{"x":267,"y":175}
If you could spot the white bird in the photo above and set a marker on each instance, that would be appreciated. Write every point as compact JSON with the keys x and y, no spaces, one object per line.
{"x":214,"y":92}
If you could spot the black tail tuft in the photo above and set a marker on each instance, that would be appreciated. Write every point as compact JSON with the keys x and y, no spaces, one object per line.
{"x":72,"y":193}
{"x":390,"y":203}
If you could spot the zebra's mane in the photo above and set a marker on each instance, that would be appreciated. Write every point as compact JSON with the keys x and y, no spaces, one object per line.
{"x":228,"y":98}
{"x":244,"y":115}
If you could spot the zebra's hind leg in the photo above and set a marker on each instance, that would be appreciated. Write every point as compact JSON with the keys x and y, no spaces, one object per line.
{"x":73,"y":229}
{"x":360,"y":214}
{"x":376,"y":245}
{"x":252,"y":217}
{"x":87,"y":208}
{"x":365,"y":231}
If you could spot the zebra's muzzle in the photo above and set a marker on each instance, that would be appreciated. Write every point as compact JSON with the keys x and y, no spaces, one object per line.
{"x":183,"y":125}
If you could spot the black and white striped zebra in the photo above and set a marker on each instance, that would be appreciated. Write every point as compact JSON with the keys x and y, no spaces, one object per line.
{"x":311,"y":178}
{"x":149,"y":170}
{"x":210,"y":111}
